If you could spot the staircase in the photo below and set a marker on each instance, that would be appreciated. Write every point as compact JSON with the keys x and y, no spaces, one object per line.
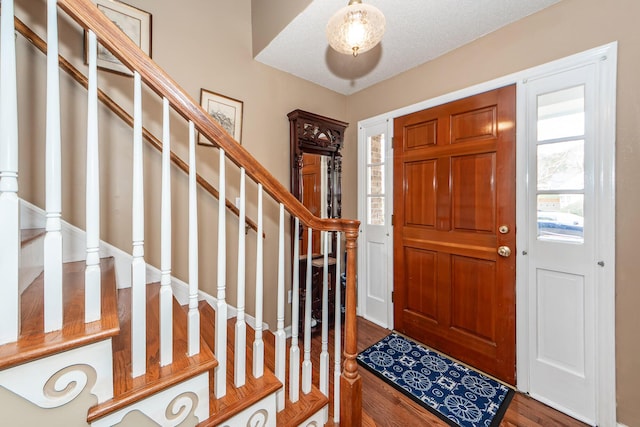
{"x":102,"y":330}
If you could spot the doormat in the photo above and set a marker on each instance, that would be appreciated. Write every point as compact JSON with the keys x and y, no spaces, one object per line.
{"x":457,"y":394}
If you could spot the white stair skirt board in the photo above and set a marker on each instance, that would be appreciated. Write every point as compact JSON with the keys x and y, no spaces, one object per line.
{"x":74,"y":248}
{"x":262,"y":413}
{"x":316,"y":420}
{"x":171,"y":406}
{"x":31,"y":262}
{"x":56,"y":380}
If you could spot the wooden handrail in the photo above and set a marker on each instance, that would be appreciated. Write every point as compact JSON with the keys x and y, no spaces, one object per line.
{"x":84,"y":12}
{"x":77,"y":75}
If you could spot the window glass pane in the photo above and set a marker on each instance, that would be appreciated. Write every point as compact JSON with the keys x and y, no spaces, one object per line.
{"x":561,"y":217}
{"x":375,"y":179}
{"x":561,"y":166}
{"x":376,"y":149}
{"x":375,"y":210}
{"x":561,"y":114}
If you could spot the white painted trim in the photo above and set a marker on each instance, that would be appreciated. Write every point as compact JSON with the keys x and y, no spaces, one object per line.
{"x":261,"y":413}
{"x":606,"y":232}
{"x":362,"y":216}
{"x":316,"y":419}
{"x":68,"y":373}
{"x":190,"y":397}
{"x":31,"y":262}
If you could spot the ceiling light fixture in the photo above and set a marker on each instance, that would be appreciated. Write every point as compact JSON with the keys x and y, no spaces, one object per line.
{"x":355,"y":28}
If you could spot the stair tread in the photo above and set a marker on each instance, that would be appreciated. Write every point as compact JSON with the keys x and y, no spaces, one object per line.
{"x":33,"y":343}
{"x":307,"y":405}
{"x":128,"y":390}
{"x":28,"y":235}
{"x":254,"y":390}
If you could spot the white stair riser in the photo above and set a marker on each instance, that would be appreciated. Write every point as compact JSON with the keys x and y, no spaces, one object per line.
{"x":260,"y":414}
{"x":317,"y":419}
{"x":58,"y":379}
{"x":183,"y":400}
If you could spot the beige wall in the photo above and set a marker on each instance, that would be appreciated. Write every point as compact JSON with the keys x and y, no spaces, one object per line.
{"x":569,"y":27}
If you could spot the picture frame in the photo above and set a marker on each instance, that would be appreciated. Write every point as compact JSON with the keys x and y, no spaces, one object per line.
{"x":134,"y":22}
{"x":224,"y":110}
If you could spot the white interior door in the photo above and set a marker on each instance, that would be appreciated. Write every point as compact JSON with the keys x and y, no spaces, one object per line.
{"x":562,"y":118}
{"x":375,"y":206}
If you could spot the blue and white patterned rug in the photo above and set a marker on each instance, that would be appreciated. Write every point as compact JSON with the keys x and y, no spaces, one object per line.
{"x":455,"y":393}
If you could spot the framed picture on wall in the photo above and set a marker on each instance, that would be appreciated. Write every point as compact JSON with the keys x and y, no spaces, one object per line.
{"x":224,"y":110}
{"x":135,"y":23}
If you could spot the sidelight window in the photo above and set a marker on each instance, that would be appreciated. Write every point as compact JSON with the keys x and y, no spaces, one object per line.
{"x":560,"y":165}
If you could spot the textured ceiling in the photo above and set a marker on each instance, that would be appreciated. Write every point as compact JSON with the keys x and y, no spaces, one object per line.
{"x":417,"y":31}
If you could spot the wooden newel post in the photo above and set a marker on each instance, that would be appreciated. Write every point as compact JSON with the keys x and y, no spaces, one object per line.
{"x":350,"y":381}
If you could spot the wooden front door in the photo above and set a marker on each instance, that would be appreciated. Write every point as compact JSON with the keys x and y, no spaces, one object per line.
{"x":454,"y":208}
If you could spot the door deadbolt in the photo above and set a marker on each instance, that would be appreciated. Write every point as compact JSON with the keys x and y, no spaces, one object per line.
{"x":503,"y":229}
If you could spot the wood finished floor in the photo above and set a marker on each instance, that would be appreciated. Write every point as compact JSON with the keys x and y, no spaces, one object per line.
{"x":382,"y":405}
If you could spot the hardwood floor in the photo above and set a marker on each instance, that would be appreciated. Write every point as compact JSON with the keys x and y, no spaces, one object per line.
{"x":383,"y":405}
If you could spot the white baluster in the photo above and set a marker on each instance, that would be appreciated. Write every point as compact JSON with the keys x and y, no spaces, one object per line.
{"x":337,"y":336}
{"x":258,"y":344}
{"x":194,"y":313}
{"x":138,"y":265}
{"x":166,"y":295}
{"x":9,"y":203}
{"x":294,"y":351}
{"x":240,"y":352}
{"x":53,"y":183}
{"x":306,"y":364}
{"x":221,"y":307}
{"x":324,"y":353}
{"x":92,"y":270}
{"x":281,"y":336}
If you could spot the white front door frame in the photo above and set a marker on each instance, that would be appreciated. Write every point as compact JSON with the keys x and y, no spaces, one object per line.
{"x":605,"y":57}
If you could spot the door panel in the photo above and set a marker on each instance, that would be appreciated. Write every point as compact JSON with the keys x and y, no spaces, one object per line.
{"x":420,"y":267}
{"x":474,"y":192}
{"x":473,"y":125}
{"x":420,"y":206}
{"x":454,"y":177}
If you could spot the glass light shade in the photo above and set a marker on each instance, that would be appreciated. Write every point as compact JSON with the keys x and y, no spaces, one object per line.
{"x":355,"y":28}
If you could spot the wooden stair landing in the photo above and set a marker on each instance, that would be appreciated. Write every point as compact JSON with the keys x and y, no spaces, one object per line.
{"x":128,"y":390}
{"x":33,"y":343}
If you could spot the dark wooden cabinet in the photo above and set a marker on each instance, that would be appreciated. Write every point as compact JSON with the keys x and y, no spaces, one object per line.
{"x":316,"y":174}
{"x":317,"y":274}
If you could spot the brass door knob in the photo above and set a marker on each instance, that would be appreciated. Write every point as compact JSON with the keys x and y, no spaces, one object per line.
{"x":504,"y":251}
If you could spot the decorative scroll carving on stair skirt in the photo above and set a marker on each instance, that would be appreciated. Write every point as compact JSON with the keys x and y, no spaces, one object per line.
{"x":74,"y":247}
{"x":260,"y":414}
{"x":58,"y":379}
{"x":316,"y":420}
{"x":171,"y":406}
